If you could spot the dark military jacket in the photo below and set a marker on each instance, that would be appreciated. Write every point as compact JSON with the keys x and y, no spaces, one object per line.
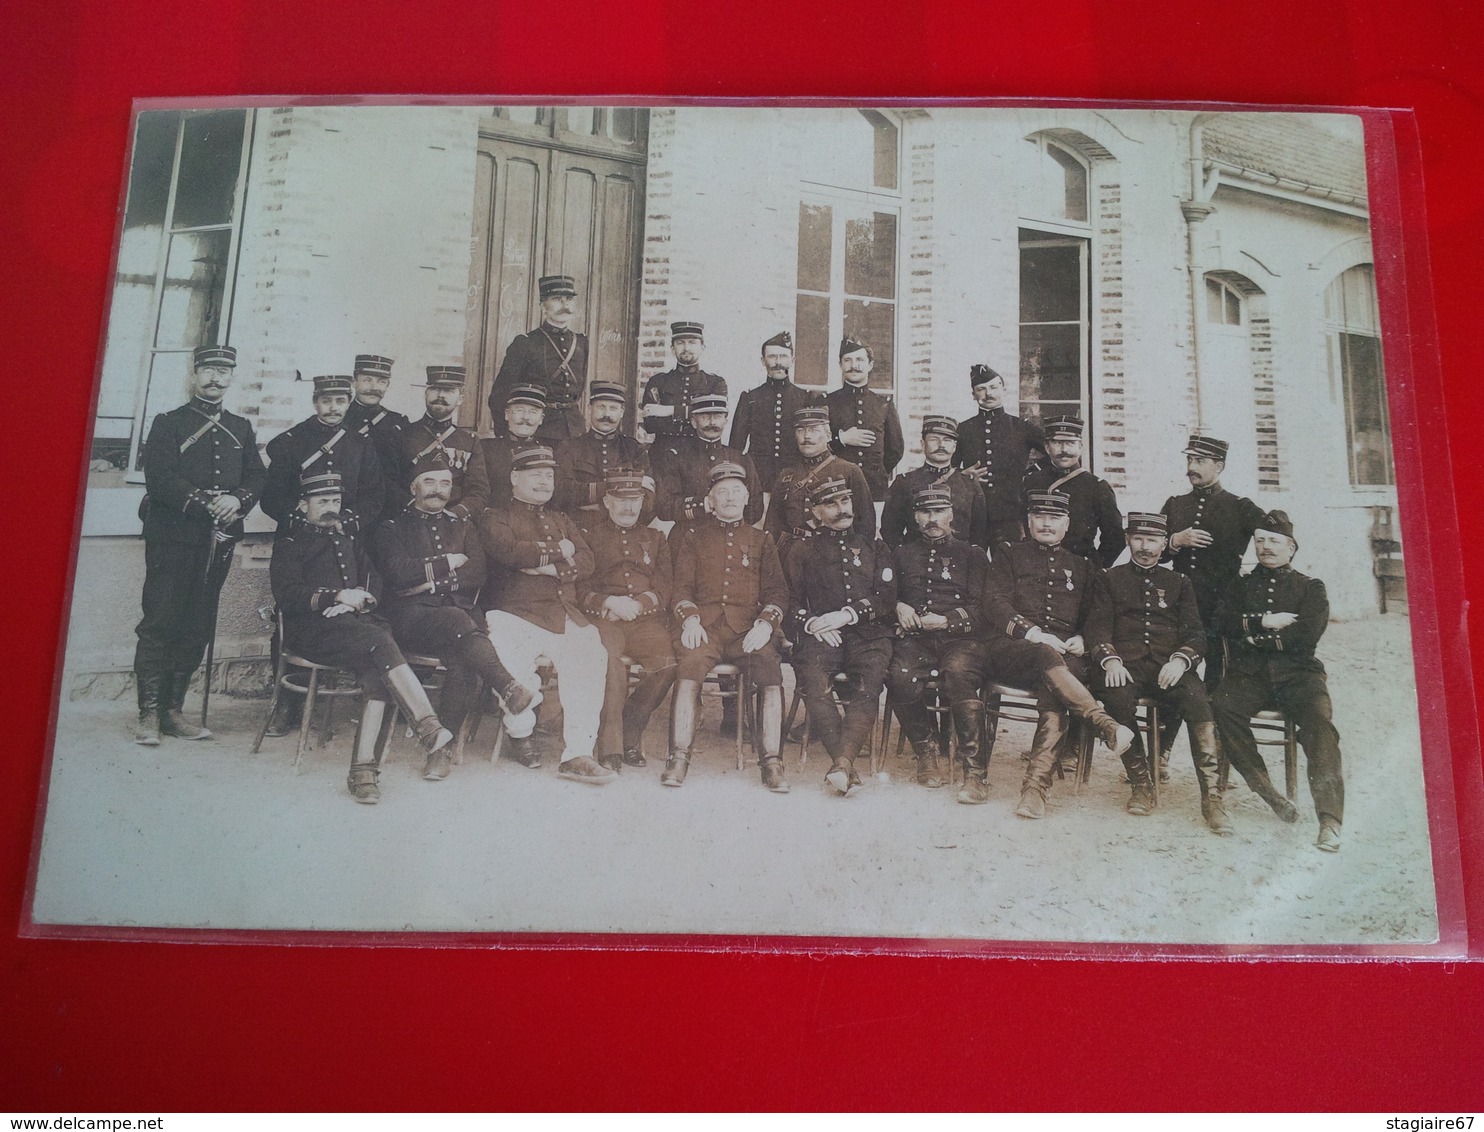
{"x":1145,"y":615}
{"x":555,"y":360}
{"x":193,"y":454}
{"x":682,"y":467}
{"x":853,"y":406}
{"x":310,"y":565}
{"x":519,"y":536}
{"x":629,"y":562}
{"x":763,"y":425}
{"x":677,"y":387}
{"x":788,"y":511}
{"x":1230,"y":520}
{"x":1275,"y":652}
{"x":583,"y":465}
{"x":499,"y":453}
{"x":411,"y":551}
{"x":381,"y":424}
{"x":969,"y":522}
{"x":471,"y":485}
{"x":312,"y":448}
{"x":1004,"y":444}
{"x":947,"y":577}
{"x":1096,"y":527}
{"x":1034,"y":586}
{"x":728,"y":574}
{"x":833,"y":570}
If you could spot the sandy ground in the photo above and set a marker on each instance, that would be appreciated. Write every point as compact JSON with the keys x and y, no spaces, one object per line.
{"x":207,"y":835}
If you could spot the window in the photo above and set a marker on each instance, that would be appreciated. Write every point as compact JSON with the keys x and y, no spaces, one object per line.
{"x":1055,"y":188}
{"x":1353,"y":328}
{"x":173,"y":288}
{"x":1054,"y":328}
{"x":1223,"y":303}
{"x":603,"y":128}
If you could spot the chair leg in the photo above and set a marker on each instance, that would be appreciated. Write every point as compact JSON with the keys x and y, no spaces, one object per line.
{"x":272,"y":705}
{"x":326,"y":733}
{"x":1152,"y":751}
{"x":312,"y":689}
{"x":788,"y":726}
{"x":1085,"y":741}
{"x":1290,"y":759}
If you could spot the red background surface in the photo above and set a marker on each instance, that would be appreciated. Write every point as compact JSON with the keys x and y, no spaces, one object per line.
{"x":97,"y":1025}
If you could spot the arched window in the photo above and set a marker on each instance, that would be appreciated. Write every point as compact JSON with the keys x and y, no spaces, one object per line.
{"x":1353,"y":330}
{"x":1055,"y":187}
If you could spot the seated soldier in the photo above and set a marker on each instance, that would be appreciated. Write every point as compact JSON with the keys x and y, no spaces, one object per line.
{"x":628,"y":597}
{"x":844,"y":619}
{"x":729,"y":598}
{"x":320,"y":574}
{"x":1146,"y":636}
{"x":433,"y":564}
{"x":1273,"y":619}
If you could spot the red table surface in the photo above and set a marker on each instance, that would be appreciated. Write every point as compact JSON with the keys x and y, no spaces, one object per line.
{"x":98,"y":1025}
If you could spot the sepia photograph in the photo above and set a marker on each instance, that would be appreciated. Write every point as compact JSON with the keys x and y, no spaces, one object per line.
{"x":967,"y":528}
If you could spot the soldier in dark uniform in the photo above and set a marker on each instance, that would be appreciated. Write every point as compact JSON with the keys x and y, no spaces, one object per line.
{"x":202,"y":474}
{"x":729,"y":593}
{"x":995,"y":448}
{"x":321,"y":580}
{"x":1209,"y":532}
{"x":432,"y":563}
{"x":1096,"y":530}
{"x":1273,"y":619}
{"x":1037,"y":602}
{"x":1146,"y":637}
{"x":628,"y":598}
{"x":664,"y":410}
{"x":585,"y":462}
{"x":321,"y":444}
{"x":940,"y":586}
{"x":760,"y":426}
{"x":553,"y":357}
{"x":437,"y":431}
{"x":367,"y":415}
{"x":843,"y":619}
{"x":682,"y":465}
{"x":864,"y":425}
{"x":939,"y":442}
{"x":525,"y":409}
{"x":790,"y":514}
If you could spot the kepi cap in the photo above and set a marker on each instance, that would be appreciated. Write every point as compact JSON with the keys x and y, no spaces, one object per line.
{"x":447,"y":376}
{"x":1049,"y":503}
{"x":726,"y":470}
{"x":687,"y":330}
{"x":607,"y":391}
{"x":1207,"y":446}
{"x":373,"y":364}
{"x":223,"y":356}
{"x":829,"y":491}
{"x":624,"y":483}
{"x":1147,"y":523}
{"x":527,"y":395}
{"x":551,"y":285}
{"x":333,"y":383}
{"x":1064,"y":426}
{"x":537,"y":456}
{"x":940,"y":426}
{"x":708,"y":403}
{"x":808,"y":415}
{"x":932,"y":498}
{"x":320,"y":483}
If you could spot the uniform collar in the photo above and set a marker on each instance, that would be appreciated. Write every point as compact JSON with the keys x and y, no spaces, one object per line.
{"x":681,"y":367}
{"x":1208,"y":492}
{"x":621,"y":530}
{"x":778,"y":382}
{"x":534,"y":508}
{"x":1043,"y":547}
{"x":212,"y":409}
{"x":315,"y":422}
{"x":1273,"y":571}
{"x":990,"y":414}
{"x":815,"y":461}
{"x":935,"y":472}
{"x":426,"y":515}
{"x":554,"y":331}
{"x":435,"y":426}
{"x":732,"y":526}
{"x":604,"y":437}
{"x":936,"y":543}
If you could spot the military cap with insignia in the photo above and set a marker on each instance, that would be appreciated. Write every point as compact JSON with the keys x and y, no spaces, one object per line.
{"x":979,"y":373}
{"x":224,"y":357}
{"x":808,"y":415}
{"x":726,"y":471}
{"x":551,"y":285}
{"x":607,"y":391}
{"x":940,"y":426}
{"x":932,"y":498}
{"x":782,"y":338}
{"x":1278,"y":523}
{"x":1049,"y":503}
{"x":447,"y":376}
{"x":434,"y":461}
{"x":374,"y":364}
{"x":829,"y":491}
{"x":527,"y":395}
{"x":321,"y":483}
{"x":1146,"y":523}
{"x":330,"y":383}
{"x":687,"y":330}
{"x":708,"y":403}
{"x":1065,"y":426}
{"x":851,"y":346}
{"x":624,"y":483}
{"x":536,"y":456}
{"x":1207,"y":446}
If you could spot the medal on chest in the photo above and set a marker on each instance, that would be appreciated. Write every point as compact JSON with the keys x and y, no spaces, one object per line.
{"x":1070,"y":586}
{"x":1161,"y":594}
{"x":745,"y":560}
{"x":945,"y":575}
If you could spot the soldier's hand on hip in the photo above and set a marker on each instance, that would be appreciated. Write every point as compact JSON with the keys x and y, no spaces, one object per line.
{"x":692,"y":636}
{"x":759,"y":635}
{"x":1278,"y":620}
{"x":1115,"y":675}
{"x":1170,"y":674}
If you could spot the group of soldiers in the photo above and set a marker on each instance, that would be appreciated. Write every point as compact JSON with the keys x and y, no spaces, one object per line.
{"x":998,"y":564}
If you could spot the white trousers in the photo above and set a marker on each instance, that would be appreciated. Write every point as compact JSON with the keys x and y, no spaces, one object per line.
{"x":582,"y":667}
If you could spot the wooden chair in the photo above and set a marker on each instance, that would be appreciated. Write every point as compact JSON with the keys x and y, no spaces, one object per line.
{"x":287,"y":681}
{"x":1270,"y":729}
{"x":841,"y":681}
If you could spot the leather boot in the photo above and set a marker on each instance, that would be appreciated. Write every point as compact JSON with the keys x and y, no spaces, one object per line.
{"x":1263,"y":787}
{"x":172,"y":707}
{"x":365,"y":755}
{"x":288,"y":713}
{"x":687,"y":704}
{"x":770,"y":723}
{"x":1203,"y":754}
{"x":412,"y":698}
{"x":147,"y":727}
{"x":1050,"y":728}
{"x":840,"y":774}
{"x":968,"y":724}
{"x":1136,"y":764}
{"x":929,"y":773}
{"x":1075,"y":695}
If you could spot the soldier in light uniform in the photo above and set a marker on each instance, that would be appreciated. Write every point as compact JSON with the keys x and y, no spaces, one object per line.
{"x":202,"y":474}
{"x":320,"y":445}
{"x":790,"y":514}
{"x":437,"y":431}
{"x":372,"y":377}
{"x":864,"y":425}
{"x":682,"y":465}
{"x":552,"y":357}
{"x":761,"y":425}
{"x":321,"y":577}
{"x":996,"y":448}
{"x":1273,"y":619}
{"x":585,"y":462}
{"x":628,"y":598}
{"x":843,"y":620}
{"x":1146,"y":638}
{"x":664,"y":410}
{"x":729,"y":594}
{"x":1096,"y":528}
{"x":524,"y":411}
{"x":939,"y":443}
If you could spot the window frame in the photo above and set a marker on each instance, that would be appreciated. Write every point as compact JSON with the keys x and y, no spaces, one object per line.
{"x":1083,"y":243}
{"x":1336,"y":328}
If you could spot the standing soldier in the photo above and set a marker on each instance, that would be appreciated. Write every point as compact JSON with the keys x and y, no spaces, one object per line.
{"x":863,"y":423}
{"x":524,"y":411}
{"x":730,"y":594}
{"x":843,"y":617}
{"x":1273,"y":619}
{"x":790,"y":515}
{"x":437,"y":431}
{"x":1146,"y":637}
{"x":320,"y":445}
{"x":367,"y":415}
{"x":664,"y":409}
{"x":1096,"y":530}
{"x":202,"y":474}
{"x":995,"y":448}
{"x":585,"y":462}
{"x":553,"y":357}
{"x":682,"y":465}
{"x":765,"y":413}
{"x":939,"y":442}
{"x":628,"y":598}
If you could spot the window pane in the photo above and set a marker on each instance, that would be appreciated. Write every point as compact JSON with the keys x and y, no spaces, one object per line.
{"x":582,"y":120}
{"x":1365,"y":409}
{"x":149,"y":174}
{"x":839,"y":148}
{"x":195,"y":280}
{"x":1213,"y":301}
{"x":812,"y":339}
{"x":169,"y":383}
{"x":875,"y":325}
{"x":1051,"y":363}
{"x":523,"y":115}
{"x":577,"y":236}
{"x":210,"y":156}
{"x":1074,"y":184}
{"x":624,"y":123}
{"x":871,"y":256}
{"x":1233,"y":308}
{"x":885,"y":164}
{"x":815,"y":242}
{"x":1050,"y":284}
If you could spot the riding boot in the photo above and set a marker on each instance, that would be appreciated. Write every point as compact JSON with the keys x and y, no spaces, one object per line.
{"x":686,"y":705}
{"x":1203,"y":754}
{"x":770,"y":723}
{"x":1075,"y":695}
{"x":968,"y":724}
{"x":365,"y":758}
{"x":1050,"y":728}
{"x":1261,"y":785}
{"x":172,"y":707}
{"x":147,"y":727}
{"x":412,"y":698}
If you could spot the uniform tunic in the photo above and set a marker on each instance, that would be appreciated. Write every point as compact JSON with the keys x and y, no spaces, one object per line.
{"x":471,"y":485}
{"x":729,"y":575}
{"x":970,"y":523}
{"x":384,"y":427}
{"x":856,"y":406}
{"x":789,"y":516}
{"x":1034,"y":586}
{"x":682,"y":467}
{"x":677,"y":387}
{"x":584,"y":464}
{"x":763,"y":425}
{"x":314,"y":448}
{"x":1004,"y":445}
{"x":556,"y":361}
{"x":1229,"y":520}
{"x":1096,"y":527}
{"x":946,"y":577}
{"x":499,"y":453}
